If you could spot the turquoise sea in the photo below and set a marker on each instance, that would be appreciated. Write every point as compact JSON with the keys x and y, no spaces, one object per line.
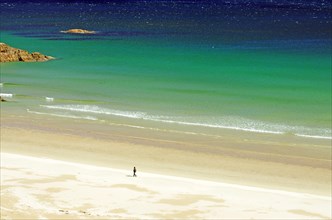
{"x":253,"y":67}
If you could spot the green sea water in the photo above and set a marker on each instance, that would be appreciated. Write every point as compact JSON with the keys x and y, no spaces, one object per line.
{"x":255,"y":82}
{"x":260,"y":91}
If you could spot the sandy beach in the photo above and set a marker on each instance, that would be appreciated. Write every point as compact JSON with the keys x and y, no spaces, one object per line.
{"x":61,"y":170}
{"x":223,"y":107}
{"x":42,"y":188}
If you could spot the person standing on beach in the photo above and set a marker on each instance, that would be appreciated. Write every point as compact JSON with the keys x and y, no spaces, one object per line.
{"x":134,"y":172}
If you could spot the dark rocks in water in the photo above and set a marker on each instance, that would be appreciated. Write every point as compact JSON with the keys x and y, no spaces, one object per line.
{"x":11,"y":54}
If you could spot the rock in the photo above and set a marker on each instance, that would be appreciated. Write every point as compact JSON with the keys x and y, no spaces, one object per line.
{"x":40,"y":57}
{"x":78,"y":31}
{"x":11,"y":54}
{"x":2,"y":100}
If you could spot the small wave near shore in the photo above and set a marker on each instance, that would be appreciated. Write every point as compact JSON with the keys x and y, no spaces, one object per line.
{"x":226,"y":122}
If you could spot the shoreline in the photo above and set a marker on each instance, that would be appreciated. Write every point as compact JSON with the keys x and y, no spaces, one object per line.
{"x":288,"y":164}
{"x":158,"y":196}
{"x":104,"y":114}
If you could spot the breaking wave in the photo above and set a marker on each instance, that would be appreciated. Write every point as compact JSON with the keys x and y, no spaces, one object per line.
{"x":6,"y":95}
{"x":233,"y":123}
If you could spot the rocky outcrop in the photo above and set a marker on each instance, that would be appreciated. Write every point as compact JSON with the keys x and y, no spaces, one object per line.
{"x":11,"y":54}
{"x":78,"y":31}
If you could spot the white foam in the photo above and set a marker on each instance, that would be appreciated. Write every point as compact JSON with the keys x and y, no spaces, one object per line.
{"x":63,"y":116}
{"x":142,"y":115}
{"x":314,"y":136}
{"x":49,"y":99}
{"x":252,"y":126}
{"x":96,"y":109}
{"x":232,"y":123}
{"x":218,"y":126}
{"x":6,"y":95}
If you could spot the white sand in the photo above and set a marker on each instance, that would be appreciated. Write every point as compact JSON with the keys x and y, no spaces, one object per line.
{"x":44,"y":188}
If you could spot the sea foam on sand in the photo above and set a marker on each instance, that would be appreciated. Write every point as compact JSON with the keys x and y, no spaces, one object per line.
{"x":44,"y":188}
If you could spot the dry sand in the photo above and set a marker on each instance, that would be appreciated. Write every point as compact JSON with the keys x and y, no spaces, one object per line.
{"x":41,"y":188}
